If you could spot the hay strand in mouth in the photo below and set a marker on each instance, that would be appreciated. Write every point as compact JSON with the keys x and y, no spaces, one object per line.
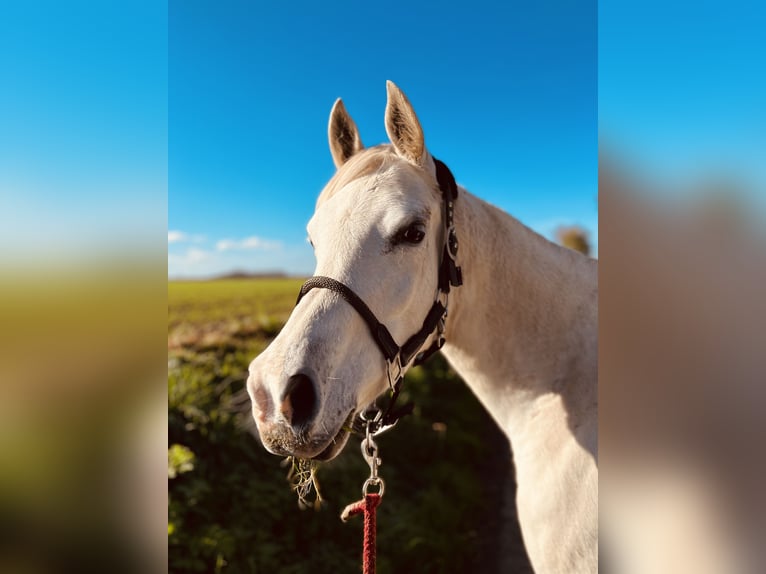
{"x":303,"y":479}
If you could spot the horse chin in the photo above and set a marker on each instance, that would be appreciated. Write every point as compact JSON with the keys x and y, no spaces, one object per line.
{"x":334,"y":448}
{"x":336,"y":444}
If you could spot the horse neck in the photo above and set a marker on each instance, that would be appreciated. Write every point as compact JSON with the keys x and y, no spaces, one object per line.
{"x":523,"y":326}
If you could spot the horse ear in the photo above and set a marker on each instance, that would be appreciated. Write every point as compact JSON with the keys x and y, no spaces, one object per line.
{"x":403,"y":127}
{"x":343,"y":135}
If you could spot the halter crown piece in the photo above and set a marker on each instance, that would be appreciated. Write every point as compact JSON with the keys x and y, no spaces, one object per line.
{"x":397,"y":358}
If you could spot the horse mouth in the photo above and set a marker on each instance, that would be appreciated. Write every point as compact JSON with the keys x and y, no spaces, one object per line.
{"x":338,"y":442}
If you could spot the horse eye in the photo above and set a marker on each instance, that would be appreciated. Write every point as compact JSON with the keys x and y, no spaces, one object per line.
{"x":413,"y":234}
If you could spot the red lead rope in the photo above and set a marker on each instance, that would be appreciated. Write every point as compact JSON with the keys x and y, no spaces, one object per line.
{"x":366,"y":506}
{"x":371,"y":500}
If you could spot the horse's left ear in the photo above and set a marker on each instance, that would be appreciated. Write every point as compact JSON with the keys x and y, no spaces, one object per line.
{"x":403,"y":127}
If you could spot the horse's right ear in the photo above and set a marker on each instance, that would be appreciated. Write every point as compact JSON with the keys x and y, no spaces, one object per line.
{"x":343,"y":135}
{"x":403,"y":127}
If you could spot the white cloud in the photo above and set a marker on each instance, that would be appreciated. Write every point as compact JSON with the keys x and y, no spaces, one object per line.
{"x":192,"y":256}
{"x":182,"y":237}
{"x":192,"y":262}
{"x":246,"y":243}
{"x":177,"y":236}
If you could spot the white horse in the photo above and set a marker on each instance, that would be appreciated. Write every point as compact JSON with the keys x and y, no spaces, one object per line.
{"x":521,"y":331}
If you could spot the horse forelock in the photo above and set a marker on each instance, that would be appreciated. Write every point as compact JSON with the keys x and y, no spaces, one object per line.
{"x":367,"y":162}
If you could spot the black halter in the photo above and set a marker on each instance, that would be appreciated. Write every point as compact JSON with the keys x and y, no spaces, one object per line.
{"x":397,"y":358}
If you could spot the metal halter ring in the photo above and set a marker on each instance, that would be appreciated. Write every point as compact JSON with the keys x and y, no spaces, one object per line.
{"x":374,"y":482}
{"x":371,"y":409}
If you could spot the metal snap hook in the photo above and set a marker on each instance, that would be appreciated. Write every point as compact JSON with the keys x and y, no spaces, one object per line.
{"x":370,"y":454}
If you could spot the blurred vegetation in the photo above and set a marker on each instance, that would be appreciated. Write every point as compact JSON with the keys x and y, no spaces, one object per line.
{"x":574,"y":237}
{"x":231,"y":508}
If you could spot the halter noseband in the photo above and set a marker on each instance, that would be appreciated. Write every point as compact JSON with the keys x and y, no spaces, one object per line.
{"x":397,"y":358}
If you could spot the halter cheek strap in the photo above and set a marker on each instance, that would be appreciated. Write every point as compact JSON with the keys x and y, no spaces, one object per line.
{"x":450,"y":275}
{"x":378,"y":330}
{"x":380,"y":333}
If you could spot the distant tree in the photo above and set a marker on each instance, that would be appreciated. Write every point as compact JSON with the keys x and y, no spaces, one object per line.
{"x":574,"y":237}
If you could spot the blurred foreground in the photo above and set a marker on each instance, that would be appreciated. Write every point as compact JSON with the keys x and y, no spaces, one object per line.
{"x":82,"y":419}
{"x":682,"y":378}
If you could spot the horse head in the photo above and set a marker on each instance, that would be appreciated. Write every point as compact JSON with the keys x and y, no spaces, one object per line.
{"x":377,"y":229}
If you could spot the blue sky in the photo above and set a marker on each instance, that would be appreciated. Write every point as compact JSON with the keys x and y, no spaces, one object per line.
{"x":506,"y":95}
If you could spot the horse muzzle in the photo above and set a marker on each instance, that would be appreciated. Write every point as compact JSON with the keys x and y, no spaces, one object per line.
{"x":292,"y":424}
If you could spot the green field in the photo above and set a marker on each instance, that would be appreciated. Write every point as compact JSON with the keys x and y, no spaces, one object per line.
{"x":231,"y":508}
{"x":235,"y":308}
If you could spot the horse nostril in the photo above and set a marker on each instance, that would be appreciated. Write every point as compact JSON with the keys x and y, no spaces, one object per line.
{"x":299,"y":401}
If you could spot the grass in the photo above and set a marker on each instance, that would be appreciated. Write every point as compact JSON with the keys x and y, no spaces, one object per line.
{"x":206,"y":314}
{"x":204,"y":302}
{"x":231,"y":506}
